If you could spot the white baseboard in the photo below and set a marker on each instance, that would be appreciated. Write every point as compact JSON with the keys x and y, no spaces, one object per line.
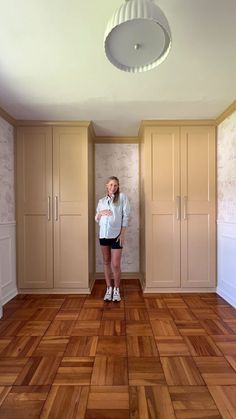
{"x":230,"y":298}
{"x":178,"y":290}
{"x":82,"y":291}
{"x":8,"y":288}
{"x":226,"y":286}
{"x":7,"y":297}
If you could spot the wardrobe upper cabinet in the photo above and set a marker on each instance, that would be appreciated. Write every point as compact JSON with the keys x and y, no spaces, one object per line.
{"x":53,"y":200}
{"x":178,"y":220}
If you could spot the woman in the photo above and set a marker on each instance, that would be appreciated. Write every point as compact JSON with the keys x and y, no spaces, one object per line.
{"x":112,"y":215}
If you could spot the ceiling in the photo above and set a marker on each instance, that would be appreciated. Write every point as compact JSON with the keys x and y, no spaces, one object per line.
{"x":53,"y":66}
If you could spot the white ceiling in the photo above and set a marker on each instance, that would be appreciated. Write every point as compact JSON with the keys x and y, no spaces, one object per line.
{"x":53,"y":66}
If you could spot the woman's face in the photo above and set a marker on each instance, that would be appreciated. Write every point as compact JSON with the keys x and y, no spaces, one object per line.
{"x":112,"y":187}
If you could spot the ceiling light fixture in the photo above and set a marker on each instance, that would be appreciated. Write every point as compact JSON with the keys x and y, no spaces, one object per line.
{"x":137,"y":37}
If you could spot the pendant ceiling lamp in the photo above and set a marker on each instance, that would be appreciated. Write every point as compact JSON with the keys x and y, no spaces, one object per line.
{"x":137,"y":37}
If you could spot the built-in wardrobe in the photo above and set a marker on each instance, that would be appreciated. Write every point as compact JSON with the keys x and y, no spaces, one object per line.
{"x":55,"y":208}
{"x":178,"y":207}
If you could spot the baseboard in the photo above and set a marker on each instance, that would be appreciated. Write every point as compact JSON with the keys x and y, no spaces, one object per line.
{"x":226,"y":286}
{"x":70,"y":291}
{"x":124,"y":275}
{"x":9,"y":296}
{"x":92,"y":282}
{"x":178,"y":290}
{"x":231,"y":299}
{"x":7,"y":261}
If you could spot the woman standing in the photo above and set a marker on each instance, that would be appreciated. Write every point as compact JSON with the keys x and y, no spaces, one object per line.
{"x":112,"y":215}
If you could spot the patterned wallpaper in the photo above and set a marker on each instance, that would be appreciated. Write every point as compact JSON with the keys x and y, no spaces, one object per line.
{"x":7,"y":198}
{"x":121,"y":160}
{"x":226,"y":167}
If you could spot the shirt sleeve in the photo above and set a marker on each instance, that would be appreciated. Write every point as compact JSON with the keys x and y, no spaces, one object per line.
{"x":125,"y":211}
{"x":97,"y":211}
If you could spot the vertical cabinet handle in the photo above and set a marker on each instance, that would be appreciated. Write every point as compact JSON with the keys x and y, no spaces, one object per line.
{"x":177,"y":207}
{"x":49,"y":208}
{"x":185,"y":207}
{"x":55,"y":208}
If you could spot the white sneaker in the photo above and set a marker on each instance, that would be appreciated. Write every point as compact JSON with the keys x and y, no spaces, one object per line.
{"x":116,"y":294}
{"x":108,"y":295}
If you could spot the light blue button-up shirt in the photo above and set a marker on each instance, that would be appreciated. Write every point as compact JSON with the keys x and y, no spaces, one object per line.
{"x":110,"y":225}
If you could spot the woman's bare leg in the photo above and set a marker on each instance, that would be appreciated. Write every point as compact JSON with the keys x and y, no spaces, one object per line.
{"x":106,"y":254}
{"x":116,"y":260}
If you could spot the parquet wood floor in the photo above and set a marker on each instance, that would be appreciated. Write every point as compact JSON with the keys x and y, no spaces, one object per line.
{"x":157,"y":356}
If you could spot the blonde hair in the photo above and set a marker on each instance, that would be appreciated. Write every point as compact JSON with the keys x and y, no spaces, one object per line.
{"x":117,"y":193}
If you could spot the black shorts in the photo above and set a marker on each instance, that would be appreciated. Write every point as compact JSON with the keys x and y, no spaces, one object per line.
{"x":112,"y":243}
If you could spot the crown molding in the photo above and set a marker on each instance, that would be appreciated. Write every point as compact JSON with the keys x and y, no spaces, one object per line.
{"x":91,"y":131}
{"x":7,"y":117}
{"x":228,"y":111}
{"x":23,"y":123}
{"x":125,"y":140}
{"x":177,"y":122}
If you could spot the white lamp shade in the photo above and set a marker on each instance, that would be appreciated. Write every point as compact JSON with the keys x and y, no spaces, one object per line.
{"x":137,"y":37}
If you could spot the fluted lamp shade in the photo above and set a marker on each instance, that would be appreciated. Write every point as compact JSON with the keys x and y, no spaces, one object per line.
{"x":137,"y":37}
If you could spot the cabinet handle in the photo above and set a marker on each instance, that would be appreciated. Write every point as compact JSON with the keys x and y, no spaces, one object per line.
{"x":185,"y":207}
{"x":49,"y":208}
{"x":55,"y":208}
{"x":177,"y":207}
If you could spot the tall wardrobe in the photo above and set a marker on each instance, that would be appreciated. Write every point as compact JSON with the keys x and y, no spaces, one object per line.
{"x":178,"y":206}
{"x":55,"y":208}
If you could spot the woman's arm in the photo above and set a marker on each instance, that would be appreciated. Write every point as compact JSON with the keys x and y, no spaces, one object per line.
{"x":125,"y":219}
{"x":100,"y":212}
{"x":121,"y":237}
{"x":98,"y":216}
{"x":125,"y":211}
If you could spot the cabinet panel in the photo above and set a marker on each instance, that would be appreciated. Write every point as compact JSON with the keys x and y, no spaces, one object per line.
{"x":71,"y":253}
{"x":164,"y":166}
{"x":34,"y":150}
{"x":69,"y":147}
{"x":164,"y":262}
{"x":178,"y":165}
{"x":70,"y":191}
{"x":34,"y":207}
{"x":195,"y":163}
{"x":37,"y":260}
{"x":34,"y":166}
{"x":198,"y":206}
{"x":197,"y":251}
{"x":52,"y":208}
{"x":162,"y":211}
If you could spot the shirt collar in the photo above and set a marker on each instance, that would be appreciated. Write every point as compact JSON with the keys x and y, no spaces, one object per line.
{"x":109,"y":198}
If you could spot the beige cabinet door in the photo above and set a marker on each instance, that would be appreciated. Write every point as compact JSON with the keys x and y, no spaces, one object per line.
{"x":198,"y":246}
{"x":34,"y":207}
{"x":162,"y":206}
{"x":70,"y":207}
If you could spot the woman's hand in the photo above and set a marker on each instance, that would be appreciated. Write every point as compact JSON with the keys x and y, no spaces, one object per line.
{"x":104,"y":212}
{"x":121,"y":239}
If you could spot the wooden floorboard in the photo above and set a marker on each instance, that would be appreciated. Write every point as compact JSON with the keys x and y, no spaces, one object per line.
{"x":155,"y":356}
